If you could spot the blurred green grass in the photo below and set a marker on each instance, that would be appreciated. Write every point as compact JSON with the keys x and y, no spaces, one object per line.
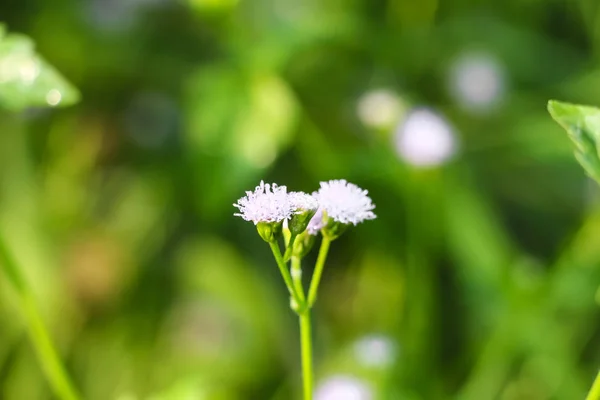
{"x":481,"y":271}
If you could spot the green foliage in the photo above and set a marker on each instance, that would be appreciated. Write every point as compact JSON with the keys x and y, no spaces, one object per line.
{"x":483,"y":272}
{"x":26,"y":79}
{"x":582,"y":123}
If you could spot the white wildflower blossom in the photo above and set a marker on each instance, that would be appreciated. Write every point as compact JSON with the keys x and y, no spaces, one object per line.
{"x":316,"y":223}
{"x":477,"y":81}
{"x":268,"y":203}
{"x":345,"y":202}
{"x":377,"y":351}
{"x":380,"y":108}
{"x":301,"y":202}
{"x":342,"y":387}
{"x":425,"y":139}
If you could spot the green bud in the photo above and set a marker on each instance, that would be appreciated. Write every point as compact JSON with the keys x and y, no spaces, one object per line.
{"x":303,"y":244}
{"x":333,"y":230}
{"x":269,"y":231}
{"x":299,"y":222}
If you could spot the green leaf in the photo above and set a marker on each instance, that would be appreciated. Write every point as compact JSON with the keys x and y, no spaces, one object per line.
{"x":582,"y":124}
{"x":26,"y":79}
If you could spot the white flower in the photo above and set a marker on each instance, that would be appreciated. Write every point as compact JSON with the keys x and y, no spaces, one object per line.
{"x":268,"y":203}
{"x":345,"y":202}
{"x":477,"y":81}
{"x":375,"y":351}
{"x":342,"y":387}
{"x":380,"y":109}
{"x":316,"y":223}
{"x":425,"y":139}
{"x":301,"y":202}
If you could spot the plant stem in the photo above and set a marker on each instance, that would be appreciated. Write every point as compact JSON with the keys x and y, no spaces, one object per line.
{"x":314,"y":283}
{"x":594,"y":393}
{"x":305,"y":331}
{"x":38,"y":334}
{"x":285,"y":273}
{"x":297,"y":277}
{"x":290,"y":247}
{"x":306,"y":350}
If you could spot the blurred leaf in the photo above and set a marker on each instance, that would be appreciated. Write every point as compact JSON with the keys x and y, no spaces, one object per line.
{"x":193,"y":388}
{"x":248,"y":117}
{"x":234,"y":315}
{"x":26,"y":79}
{"x":582,"y":123}
{"x":477,"y":240}
{"x":238,"y":125}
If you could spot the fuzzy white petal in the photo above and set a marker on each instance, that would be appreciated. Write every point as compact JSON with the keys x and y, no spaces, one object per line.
{"x":301,"y":202}
{"x":345,"y":202}
{"x":316,"y":223}
{"x":342,"y":387}
{"x":268,"y":203}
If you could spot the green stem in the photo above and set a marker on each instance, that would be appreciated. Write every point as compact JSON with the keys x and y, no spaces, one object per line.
{"x":297,"y":277}
{"x":285,"y":273}
{"x":46,"y":353}
{"x":290,"y":247}
{"x":306,"y":350}
{"x":305,"y":331}
{"x":594,"y":393}
{"x":314,"y":283}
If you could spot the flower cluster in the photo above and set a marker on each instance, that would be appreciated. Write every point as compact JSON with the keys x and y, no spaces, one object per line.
{"x":336,"y":202}
{"x":299,"y":217}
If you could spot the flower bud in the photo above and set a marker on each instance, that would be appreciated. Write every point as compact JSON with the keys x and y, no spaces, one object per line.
{"x":303,"y":206}
{"x":299,"y":221}
{"x":334,"y":229}
{"x":269,"y":231}
{"x":303,"y":244}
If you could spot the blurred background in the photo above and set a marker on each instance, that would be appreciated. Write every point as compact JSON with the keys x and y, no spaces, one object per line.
{"x":477,"y":281}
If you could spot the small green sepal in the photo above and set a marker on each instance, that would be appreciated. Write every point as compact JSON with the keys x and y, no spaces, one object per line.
{"x":333,"y":229}
{"x":299,"y":222}
{"x":269,"y":231}
{"x":303,"y":244}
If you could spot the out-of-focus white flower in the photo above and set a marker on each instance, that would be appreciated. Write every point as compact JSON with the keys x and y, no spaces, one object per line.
{"x":380,"y":109}
{"x":301,"y":202}
{"x":375,"y":351}
{"x":345,"y":202}
{"x":268,"y":203}
{"x":342,"y":387}
{"x":316,"y":223}
{"x":477,"y":81}
{"x":425,"y":139}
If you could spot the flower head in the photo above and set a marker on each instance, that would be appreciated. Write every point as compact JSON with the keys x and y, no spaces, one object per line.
{"x":425,"y":139}
{"x":376,"y":350}
{"x":380,"y":109}
{"x":343,"y":387}
{"x":268,"y":203}
{"x":477,"y":81}
{"x":345,"y":202}
{"x":301,"y":202}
